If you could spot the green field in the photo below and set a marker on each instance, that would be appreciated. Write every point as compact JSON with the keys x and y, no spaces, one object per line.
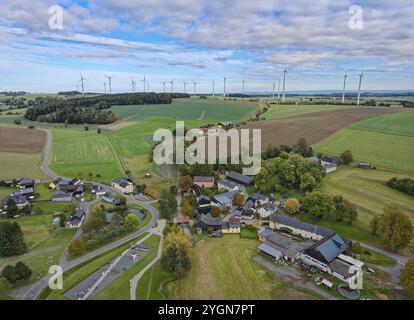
{"x":283,"y":111}
{"x":17,"y":165}
{"x":45,"y":244}
{"x":188,"y":109}
{"x":223,"y":268}
{"x":367,"y":190}
{"x":151,"y":285}
{"x":79,"y":151}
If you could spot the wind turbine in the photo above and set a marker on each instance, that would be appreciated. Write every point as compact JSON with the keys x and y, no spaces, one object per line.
{"x":144,"y":82}
{"x":82,"y":79}
{"x":105,"y":87}
{"x":278,"y":89}
{"x":172,"y":85}
{"x":343,"y":89}
{"x":224,"y":87}
{"x":185,"y":84}
{"x":213,"y":87}
{"x":359,"y":87}
{"x":274,"y":85}
{"x":195,"y":87}
{"x":243,"y":86}
{"x":284,"y":81}
{"x":133,"y":82}
{"x":163,"y":85}
{"x":110,"y":83}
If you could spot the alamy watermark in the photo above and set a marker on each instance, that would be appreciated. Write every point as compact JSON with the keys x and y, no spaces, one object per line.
{"x":56,"y":280}
{"x":56,"y":17}
{"x":356,"y":20}
{"x":172,"y":148}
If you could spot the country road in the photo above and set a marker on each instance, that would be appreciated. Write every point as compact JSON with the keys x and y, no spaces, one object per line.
{"x":66,"y":264}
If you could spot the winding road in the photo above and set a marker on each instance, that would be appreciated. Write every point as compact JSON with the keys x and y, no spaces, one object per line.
{"x":66,"y":264}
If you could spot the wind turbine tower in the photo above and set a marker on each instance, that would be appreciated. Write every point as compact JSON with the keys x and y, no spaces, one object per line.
{"x":224,"y":87}
{"x":110,"y":82}
{"x":284,"y":82}
{"x":195,"y":87}
{"x":274,"y":85}
{"x":278,"y":89}
{"x":243,"y":86}
{"x":144,"y":81}
{"x":172,"y":85}
{"x":213,"y":83}
{"x":185,"y":86}
{"x":163,"y":85}
{"x":105,"y":87}
{"x":82,"y":79}
{"x":133,"y":82}
{"x":359,"y":87}
{"x":343,"y":89}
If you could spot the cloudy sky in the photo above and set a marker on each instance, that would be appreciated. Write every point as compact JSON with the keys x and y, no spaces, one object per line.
{"x":199,"y":40}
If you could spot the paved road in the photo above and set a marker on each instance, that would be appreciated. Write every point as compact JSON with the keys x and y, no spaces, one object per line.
{"x":134,"y":280}
{"x":34,"y":290}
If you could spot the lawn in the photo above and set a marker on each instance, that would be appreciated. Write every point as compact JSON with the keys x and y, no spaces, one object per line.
{"x":151,"y":285}
{"x":223,"y":268}
{"x":383,"y":150}
{"x":77,"y":151}
{"x":188,"y":109}
{"x":119,"y":289}
{"x":45,"y":244}
{"x":283,"y":111}
{"x":367,"y":190}
{"x":17,"y":165}
{"x":50,"y":207}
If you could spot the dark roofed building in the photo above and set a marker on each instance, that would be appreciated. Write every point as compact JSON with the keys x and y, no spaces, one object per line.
{"x":20,"y":201}
{"x":203,"y":210}
{"x":332,"y":159}
{"x":27,"y":192}
{"x":327,"y":249}
{"x":206,"y":221}
{"x":239,"y":178}
{"x":75,"y":221}
{"x":305,"y":230}
{"x":26,"y":183}
{"x":61,"y":196}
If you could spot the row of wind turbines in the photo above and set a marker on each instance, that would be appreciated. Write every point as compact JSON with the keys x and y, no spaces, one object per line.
{"x":146,"y":86}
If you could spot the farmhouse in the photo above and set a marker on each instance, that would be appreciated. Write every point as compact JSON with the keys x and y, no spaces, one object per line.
{"x":123,"y":185}
{"x":231,"y":226}
{"x":98,"y":190}
{"x":61,"y":196}
{"x":76,"y":220}
{"x":267,"y":210}
{"x":224,"y":201}
{"x":279,"y":246}
{"x":296,"y":227}
{"x":239,"y":178}
{"x":227,"y":185}
{"x":202,"y":199}
{"x":202,"y":210}
{"x":25,"y":183}
{"x":329,"y":167}
{"x":20,"y":201}
{"x":331,"y":159}
{"x":260,"y":199}
{"x":203,"y":181}
{"x":247,"y":216}
{"x":207,"y":221}
{"x":26,"y":192}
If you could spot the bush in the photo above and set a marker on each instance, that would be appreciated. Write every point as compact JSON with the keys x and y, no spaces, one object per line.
{"x":19,"y":272}
{"x":292,"y":206}
{"x":76,"y":247}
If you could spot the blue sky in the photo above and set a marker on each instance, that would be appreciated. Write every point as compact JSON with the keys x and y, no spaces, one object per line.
{"x":203,"y":41}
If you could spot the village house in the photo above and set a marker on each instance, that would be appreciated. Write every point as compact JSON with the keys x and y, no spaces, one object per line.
{"x":266,"y":210}
{"x":260,"y":199}
{"x":231,"y":226}
{"x":247,"y":216}
{"x":239,"y":178}
{"x":227,"y":124}
{"x":202,"y":199}
{"x":224,"y":201}
{"x":181,"y":220}
{"x":76,"y":220}
{"x":296,"y":227}
{"x":207,"y":221}
{"x":227,"y":185}
{"x":20,"y":201}
{"x":24,"y":183}
{"x":98,"y":190}
{"x":203,"y":181}
{"x":123,"y":185}
{"x":61,"y":196}
{"x":26,"y":192}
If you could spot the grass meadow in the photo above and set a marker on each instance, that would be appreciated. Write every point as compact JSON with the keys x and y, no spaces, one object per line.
{"x":282,"y":111}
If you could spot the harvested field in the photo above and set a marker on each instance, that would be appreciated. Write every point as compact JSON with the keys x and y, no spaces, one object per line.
{"x":19,"y":140}
{"x":312,"y":126}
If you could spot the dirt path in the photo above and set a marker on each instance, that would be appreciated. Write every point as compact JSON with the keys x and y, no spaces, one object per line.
{"x":313,"y":126}
{"x":203,"y":113}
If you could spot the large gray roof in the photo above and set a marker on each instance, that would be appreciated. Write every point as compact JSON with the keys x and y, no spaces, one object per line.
{"x":295,"y":223}
{"x":327,"y":249}
{"x":238,"y":177}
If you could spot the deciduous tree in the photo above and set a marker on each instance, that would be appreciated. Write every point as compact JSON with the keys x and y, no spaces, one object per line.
{"x":407,"y":278}
{"x":76,"y":247}
{"x":292,"y":206}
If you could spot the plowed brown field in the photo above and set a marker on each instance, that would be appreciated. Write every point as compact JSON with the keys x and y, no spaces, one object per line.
{"x":19,"y":140}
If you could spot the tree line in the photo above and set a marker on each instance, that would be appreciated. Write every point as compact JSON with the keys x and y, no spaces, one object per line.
{"x":90,"y":109}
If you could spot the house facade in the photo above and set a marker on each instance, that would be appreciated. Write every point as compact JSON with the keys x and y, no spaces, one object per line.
{"x":122,"y":185}
{"x":76,"y":220}
{"x":203,"y":181}
{"x":227,"y":185}
{"x":231,"y":226}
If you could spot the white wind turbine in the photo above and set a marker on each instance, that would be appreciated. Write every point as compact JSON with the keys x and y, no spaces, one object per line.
{"x":224,"y":87}
{"x":243,"y":86}
{"x":195,"y":87}
{"x":144,"y":81}
{"x":361,"y":75}
{"x":278,"y":89}
{"x":172,"y":85}
{"x":343,"y":89}
{"x":110,"y":82}
{"x":185,"y":86}
{"x":82,"y":79}
{"x":133,"y":83}
{"x":284,"y":83}
{"x":105,"y":87}
{"x":163,"y":85}
{"x":213,"y":84}
{"x":273,"y":92}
